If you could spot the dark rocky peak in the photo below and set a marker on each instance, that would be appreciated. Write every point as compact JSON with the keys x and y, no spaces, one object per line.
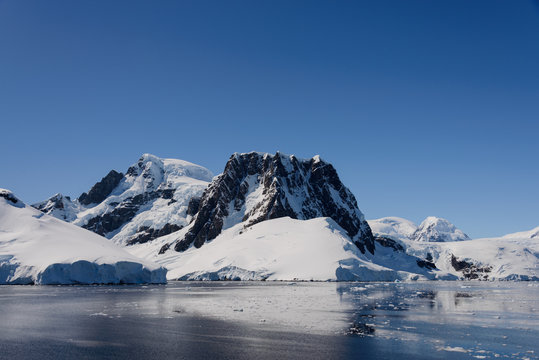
{"x":256,"y":186}
{"x":102,"y":189}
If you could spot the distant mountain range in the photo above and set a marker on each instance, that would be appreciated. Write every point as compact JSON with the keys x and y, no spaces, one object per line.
{"x":278,"y":217}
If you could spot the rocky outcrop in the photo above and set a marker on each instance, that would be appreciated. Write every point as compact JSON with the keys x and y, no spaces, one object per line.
{"x":59,"y":206}
{"x":255,"y":187}
{"x":102,"y":189}
{"x":389,"y":243}
{"x":123,"y":212}
{"x":470,"y":270}
{"x":146,"y":233}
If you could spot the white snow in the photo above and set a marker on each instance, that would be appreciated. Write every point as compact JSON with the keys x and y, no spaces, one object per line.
{"x":393,"y":227}
{"x":510,"y":257}
{"x":278,"y":249}
{"x":435,"y":229}
{"x":530,"y":234}
{"x":38,"y":248}
{"x":432,"y":229}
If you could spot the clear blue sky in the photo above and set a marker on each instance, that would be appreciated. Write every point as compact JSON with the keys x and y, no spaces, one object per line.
{"x":424,"y":107}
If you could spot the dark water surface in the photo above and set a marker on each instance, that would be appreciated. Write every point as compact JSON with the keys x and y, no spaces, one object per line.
{"x":257,"y":320}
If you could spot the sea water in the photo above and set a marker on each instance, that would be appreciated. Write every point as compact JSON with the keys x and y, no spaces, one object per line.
{"x":272,"y":320}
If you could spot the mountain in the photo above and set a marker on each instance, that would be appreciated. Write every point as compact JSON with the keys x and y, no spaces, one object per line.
{"x":393,"y":227}
{"x":434,"y":229}
{"x":36,"y":248}
{"x":150,"y":200}
{"x":450,"y":251}
{"x":256,"y":187}
{"x":279,"y":217}
{"x":510,"y":257}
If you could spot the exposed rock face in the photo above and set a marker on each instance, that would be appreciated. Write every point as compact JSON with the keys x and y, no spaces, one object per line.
{"x":255,"y":187}
{"x":146,"y":233}
{"x":123,"y":212}
{"x":426,"y":264}
{"x":149,"y":201}
{"x":434,"y":229}
{"x":470,"y":270}
{"x":389,"y":243}
{"x":102,"y":189}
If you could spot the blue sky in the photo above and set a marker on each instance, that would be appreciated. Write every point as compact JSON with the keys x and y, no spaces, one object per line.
{"x":424,"y":107}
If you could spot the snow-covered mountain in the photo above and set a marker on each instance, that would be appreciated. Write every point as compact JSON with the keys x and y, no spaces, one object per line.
{"x":59,"y":206}
{"x":279,"y":217}
{"x":255,"y":187}
{"x":440,"y":243}
{"x":150,"y":200}
{"x":511,"y":257}
{"x":434,"y":229}
{"x":39,"y":249}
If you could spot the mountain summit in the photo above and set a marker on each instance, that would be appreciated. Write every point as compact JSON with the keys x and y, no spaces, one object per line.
{"x":435,"y":229}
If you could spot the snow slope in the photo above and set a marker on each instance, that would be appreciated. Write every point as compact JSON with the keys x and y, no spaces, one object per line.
{"x":283,"y":249}
{"x":36,"y":248}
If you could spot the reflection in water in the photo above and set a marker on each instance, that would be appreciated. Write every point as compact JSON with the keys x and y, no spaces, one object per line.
{"x":272,"y":320}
